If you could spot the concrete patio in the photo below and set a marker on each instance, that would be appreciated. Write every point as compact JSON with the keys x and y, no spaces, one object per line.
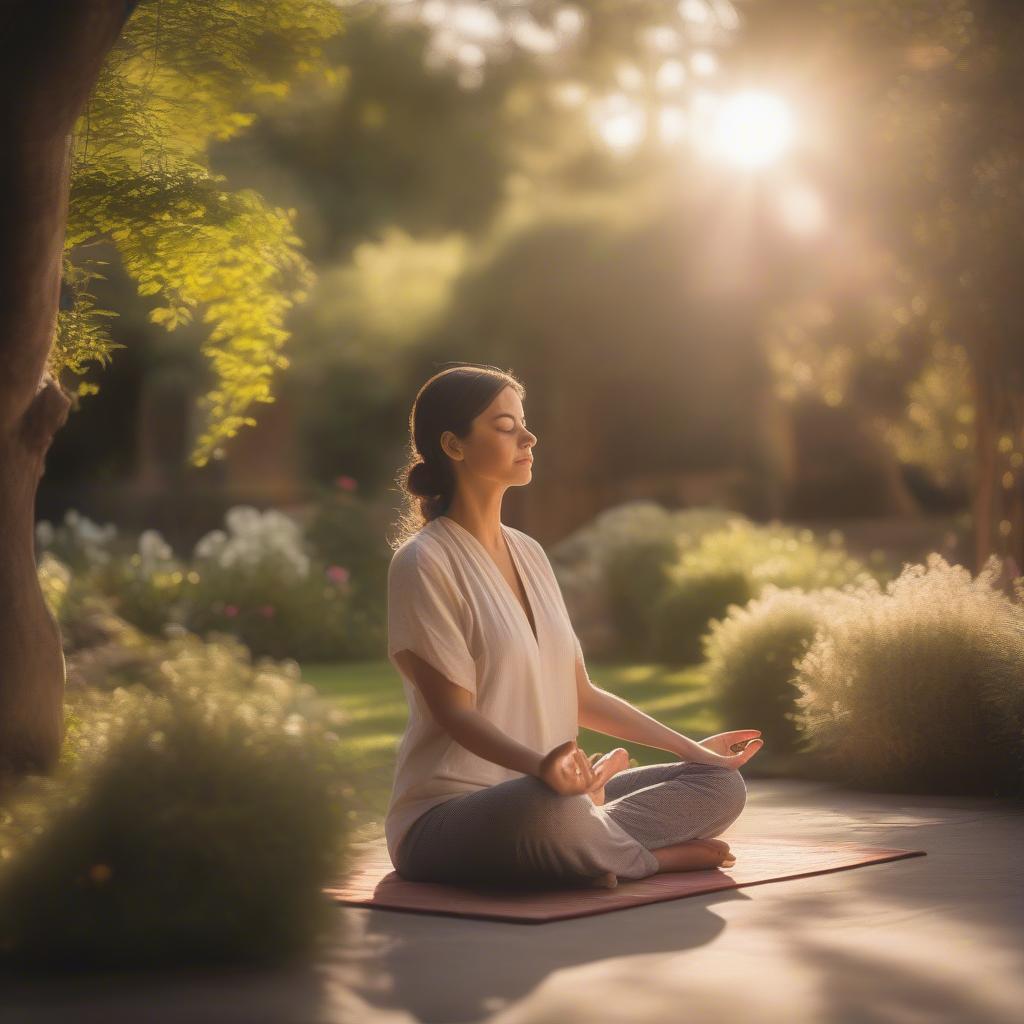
{"x":934,"y":938}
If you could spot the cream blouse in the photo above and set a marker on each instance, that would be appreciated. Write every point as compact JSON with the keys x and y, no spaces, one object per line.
{"x":449,"y":603}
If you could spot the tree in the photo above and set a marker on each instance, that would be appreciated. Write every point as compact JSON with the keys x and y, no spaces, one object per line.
{"x":924,"y":149}
{"x":132,"y":161}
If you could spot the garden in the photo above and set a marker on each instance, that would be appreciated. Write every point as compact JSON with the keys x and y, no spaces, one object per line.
{"x":775,"y":373}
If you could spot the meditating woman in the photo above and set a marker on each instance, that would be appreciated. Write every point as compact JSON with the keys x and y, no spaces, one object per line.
{"x":490,"y":785}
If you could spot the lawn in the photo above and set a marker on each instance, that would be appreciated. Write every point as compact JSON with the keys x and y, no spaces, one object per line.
{"x":370,"y":694}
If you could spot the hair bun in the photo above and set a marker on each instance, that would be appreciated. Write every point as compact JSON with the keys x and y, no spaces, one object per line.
{"x":423,"y":480}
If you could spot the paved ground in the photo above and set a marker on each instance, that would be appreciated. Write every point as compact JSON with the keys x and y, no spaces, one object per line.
{"x":935,"y":938}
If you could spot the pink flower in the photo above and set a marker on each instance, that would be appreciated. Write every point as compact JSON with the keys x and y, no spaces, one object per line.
{"x":338,"y":574}
{"x":267,"y":611}
{"x":346,"y":483}
{"x":231,"y":610}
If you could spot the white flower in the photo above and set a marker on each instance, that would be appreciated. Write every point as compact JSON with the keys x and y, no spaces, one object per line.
{"x":154,"y":552}
{"x":210,"y":544}
{"x":255,"y":539}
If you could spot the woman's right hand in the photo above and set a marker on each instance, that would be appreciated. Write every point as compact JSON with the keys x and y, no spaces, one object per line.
{"x":736,"y":761}
{"x":567,"y":770}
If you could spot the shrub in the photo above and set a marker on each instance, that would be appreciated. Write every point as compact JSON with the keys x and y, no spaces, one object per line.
{"x":78,"y":542}
{"x":257,"y":579}
{"x":637,"y":522}
{"x":147,"y":586}
{"x":55,"y":582}
{"x":752,"y":654}
{"x":144,"y":583}
{"x":921,"y":688}
{"x":784,"y":556}
{"x":342,"y":531}
{"x":302,"y":617}
{"x":194,"y":817}
{"x":685,"y":608}
{"x":611,"y":570}
{"x":636,"y":580}
{"x":733,"y":565}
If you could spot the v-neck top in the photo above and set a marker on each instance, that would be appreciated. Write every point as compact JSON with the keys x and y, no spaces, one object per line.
{"x":449,"y":603}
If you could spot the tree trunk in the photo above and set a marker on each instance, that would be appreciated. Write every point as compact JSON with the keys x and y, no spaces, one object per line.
{"x":54,"y":52}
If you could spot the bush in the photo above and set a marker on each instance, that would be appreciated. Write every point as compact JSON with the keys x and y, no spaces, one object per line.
{"x":148,"y":586}
{"x":733,"y":565}
{"x":636,"y":580}
{"x":752,"y":654}
{"x":257,"y":579}
{"x":782,"y":555}
{"x":921,"y":688}
{"x":194,"y":817}
{"x":342,"y":531}
{"x":638,"y":522}
{"x":611,"y":570}
{"x":685,"y":608}
{"x":192,"y":843}
{"x":307,"y":618}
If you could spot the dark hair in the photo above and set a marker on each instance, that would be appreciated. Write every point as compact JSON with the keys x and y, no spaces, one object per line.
{"x":450,"y":400}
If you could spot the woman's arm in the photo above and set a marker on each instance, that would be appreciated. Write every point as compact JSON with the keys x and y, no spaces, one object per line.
{"x":604,"y":712}
{"x":480,"y":736}
{"x":452,"y":707}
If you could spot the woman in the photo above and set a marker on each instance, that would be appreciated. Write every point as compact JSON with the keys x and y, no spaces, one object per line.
{"x":490,"y":785}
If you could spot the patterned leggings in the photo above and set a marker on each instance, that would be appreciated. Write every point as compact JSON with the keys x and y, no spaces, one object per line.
{"x":522,"y":831}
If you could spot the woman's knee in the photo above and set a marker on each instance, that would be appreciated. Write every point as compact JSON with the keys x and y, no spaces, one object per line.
{"x":730,"y":797}
{"x":733,"y":789}
{"x":556,"y":816}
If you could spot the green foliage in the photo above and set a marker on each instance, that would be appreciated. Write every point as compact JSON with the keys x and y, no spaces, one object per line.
{"x":638,"y":522}
{"x":258,"y":580}
{"x":194,"y":817}
{"x":732,"y":565}
{"x":938,"y":431}
{"x":343,"y":531}
{"x":54,"y":581}
{"x":636,"y":580}
{"x":930,"y":121}
{"x":783,"y":555}
{"x":612,"y":569}
{"x":687,"y":606}
{"x":391,"y":292}
{"x":184,"y":73}
{"x":752,"y":653}
{"x":921,"y":688}
{"x":307,"y":618}
{"x":81,"y":336}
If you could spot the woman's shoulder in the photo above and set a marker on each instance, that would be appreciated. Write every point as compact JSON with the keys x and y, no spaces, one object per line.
{"x":421,"y":550}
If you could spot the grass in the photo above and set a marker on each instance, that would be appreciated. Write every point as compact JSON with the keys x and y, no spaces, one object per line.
{"x":370,"y":694}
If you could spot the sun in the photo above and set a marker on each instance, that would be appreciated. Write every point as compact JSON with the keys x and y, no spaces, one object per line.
{"x":752,"y":128}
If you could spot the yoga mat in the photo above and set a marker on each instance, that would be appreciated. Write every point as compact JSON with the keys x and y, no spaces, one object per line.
{"x":373,"y":882}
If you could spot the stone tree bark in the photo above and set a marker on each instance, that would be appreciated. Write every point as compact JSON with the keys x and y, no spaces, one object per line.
{"x":53,"y":52}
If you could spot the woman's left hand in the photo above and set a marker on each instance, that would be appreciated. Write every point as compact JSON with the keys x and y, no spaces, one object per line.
{"x":721,"y":742}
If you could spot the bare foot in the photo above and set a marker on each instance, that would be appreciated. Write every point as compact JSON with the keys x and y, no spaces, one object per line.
{"x":609,"y":880}
{"x":613,"y":762}
{"x":729,"y":858}
{"x":695,"y":855}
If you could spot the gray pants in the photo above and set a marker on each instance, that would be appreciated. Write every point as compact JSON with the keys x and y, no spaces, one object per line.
{"x":522,"y":832}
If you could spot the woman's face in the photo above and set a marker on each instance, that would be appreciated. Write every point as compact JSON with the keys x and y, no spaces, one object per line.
{"x":499,"y":446}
